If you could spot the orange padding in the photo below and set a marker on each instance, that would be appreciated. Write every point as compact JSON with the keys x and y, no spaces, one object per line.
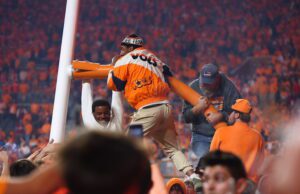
{"x":88,"y":70}
{"x":86,"y":65}
{"x":191,"y":96}
{"x":89,"y":74}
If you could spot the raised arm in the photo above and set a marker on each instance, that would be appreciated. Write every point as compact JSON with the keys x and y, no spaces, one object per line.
{"x":89,"y":120}
{"x":117,"y":109}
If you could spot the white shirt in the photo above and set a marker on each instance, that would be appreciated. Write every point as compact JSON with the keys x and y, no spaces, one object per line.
{"x":89,"y":121}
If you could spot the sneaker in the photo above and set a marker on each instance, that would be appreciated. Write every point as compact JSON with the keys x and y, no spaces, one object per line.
{"x":195,"y":180}
{"x":197,"y":184}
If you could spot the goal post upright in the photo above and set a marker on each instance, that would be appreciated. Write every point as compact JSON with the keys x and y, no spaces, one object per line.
{"x":63,"y":82}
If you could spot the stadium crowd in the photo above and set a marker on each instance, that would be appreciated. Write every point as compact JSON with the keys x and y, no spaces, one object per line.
{"x":256,"y":43}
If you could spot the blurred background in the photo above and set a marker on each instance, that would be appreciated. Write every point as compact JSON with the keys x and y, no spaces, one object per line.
{"x":255,"y":42}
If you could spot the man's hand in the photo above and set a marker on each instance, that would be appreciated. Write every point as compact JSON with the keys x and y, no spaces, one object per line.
{"x":201,"y":106}
{"x":46,"y":152}
{"x":33,"y":156}
{"x":166,"y":71}
{"x":50,"y":149}
{"x":214,"y":118}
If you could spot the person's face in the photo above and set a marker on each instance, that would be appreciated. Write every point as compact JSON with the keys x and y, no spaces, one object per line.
{"x":217,"y":180}
{"x":190,"y":189}
{"x":102,"y":114}
{"x":176,"y":189}
{"x":210,"y":89}
{"x":125,"y":50}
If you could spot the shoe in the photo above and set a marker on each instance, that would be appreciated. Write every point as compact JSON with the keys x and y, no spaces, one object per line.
{"x":197,"y":184}
{"x":195,"y":180}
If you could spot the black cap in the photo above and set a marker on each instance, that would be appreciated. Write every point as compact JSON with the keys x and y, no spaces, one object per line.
{"x":209,"y":73}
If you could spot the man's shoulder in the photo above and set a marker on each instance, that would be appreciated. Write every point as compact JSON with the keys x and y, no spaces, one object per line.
{"x":231,"y":129}
{"x":140,"y":55}
{"x":222,"y":133}
{"x":245,"y":127}
{"x":226,"y":81}
{"x":223,"y":130}
{"x":227,"y":85}
{"x":124,"y":60}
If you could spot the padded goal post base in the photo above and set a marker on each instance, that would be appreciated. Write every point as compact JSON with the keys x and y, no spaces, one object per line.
{"x":89,"y":70}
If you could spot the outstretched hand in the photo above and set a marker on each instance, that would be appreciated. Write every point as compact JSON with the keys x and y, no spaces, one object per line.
{"x":44,"y":152}
{"x":201,"y":106}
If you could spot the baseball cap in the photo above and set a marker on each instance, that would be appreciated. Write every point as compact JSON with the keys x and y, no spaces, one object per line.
{"x":209,"y":73}
{"x":175,"y":182}
{"x":242,"y":105}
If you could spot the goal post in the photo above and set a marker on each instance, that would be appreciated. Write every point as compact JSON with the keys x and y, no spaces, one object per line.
{"x":61,"y":99}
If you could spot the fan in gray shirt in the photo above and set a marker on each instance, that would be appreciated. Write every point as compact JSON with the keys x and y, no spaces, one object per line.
{"x":217,"y":90}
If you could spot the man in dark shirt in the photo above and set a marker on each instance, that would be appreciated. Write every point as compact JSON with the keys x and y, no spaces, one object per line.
{"x":217,"y":90}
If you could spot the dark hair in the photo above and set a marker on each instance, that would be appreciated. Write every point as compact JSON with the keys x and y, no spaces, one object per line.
{"x":133,"y":35}
{"x":21,"y":167}
{"x":176,"y":187}
{"x":100,"y":102}
{"x":245,"y":117}
{"x":232,"y":162}
{"x":96,"y":162}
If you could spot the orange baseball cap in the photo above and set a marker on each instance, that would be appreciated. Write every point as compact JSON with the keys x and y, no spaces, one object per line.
{"x":242,"y":105}
{"x":174,"y":181}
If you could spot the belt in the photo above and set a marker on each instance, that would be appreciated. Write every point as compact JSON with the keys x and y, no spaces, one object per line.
{"x":152,"y":106}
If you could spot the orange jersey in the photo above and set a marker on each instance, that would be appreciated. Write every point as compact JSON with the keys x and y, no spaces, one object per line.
{"x":138,"y":74}
{"x":242,"y":141}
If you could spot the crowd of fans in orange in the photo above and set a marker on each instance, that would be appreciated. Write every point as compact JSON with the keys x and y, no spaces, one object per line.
{"x":185,"y":35}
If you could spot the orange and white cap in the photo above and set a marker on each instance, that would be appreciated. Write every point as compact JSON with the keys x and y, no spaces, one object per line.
{"x":242,"y":105}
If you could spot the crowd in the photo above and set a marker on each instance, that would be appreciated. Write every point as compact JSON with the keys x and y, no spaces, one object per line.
{"x":256,"y":43}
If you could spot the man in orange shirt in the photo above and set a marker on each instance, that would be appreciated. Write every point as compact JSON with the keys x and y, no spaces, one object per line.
{"x":141,"y":75}
{"x":240,"y":139}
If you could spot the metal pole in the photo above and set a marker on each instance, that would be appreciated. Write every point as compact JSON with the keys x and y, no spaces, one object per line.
{"x":61,"y":99}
